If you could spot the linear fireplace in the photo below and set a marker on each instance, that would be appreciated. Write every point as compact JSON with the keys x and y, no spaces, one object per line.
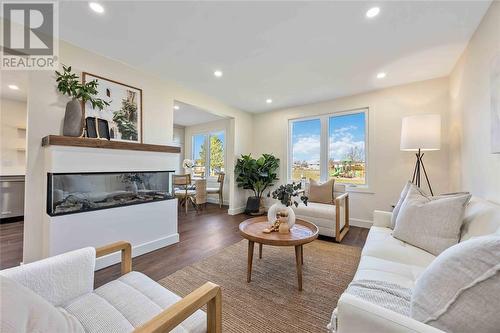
{"x":70,"y":193}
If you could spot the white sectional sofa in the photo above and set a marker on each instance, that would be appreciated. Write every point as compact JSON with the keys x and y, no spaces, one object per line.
{"x":384,"y":258}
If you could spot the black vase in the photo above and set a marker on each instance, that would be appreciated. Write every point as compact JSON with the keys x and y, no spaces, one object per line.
{"x":253,"y":205}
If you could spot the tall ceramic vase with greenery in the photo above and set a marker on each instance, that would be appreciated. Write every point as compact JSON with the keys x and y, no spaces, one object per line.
{"x":286,"y":195}
{"x":256,"y":175}
{"x":68,"y":84}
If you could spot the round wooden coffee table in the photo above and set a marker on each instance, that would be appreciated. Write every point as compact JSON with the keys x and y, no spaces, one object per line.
{"x":301,"y":233}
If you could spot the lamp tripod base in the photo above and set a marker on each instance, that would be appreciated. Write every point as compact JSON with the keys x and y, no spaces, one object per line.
{"x":417,"y":172}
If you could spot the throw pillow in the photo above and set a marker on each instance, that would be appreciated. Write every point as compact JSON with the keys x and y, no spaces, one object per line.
{"x":24,"y":311}
{"x":321,"y":193}
{"x":430,"y":223}
{"x":396,"y":209}
{"x":459,"y":290}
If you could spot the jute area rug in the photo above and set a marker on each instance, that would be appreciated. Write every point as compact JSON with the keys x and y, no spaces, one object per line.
{"x":271,"y":302}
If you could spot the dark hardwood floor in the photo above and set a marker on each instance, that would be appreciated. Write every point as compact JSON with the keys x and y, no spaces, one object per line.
{"x":201,"y":234}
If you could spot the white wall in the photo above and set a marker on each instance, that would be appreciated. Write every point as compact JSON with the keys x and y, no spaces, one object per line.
{"x":12,"y":137}
{"x":213,"y":126}
{"x":388,"y":167}
{"x":178,"y":139}
{"x":46,"y":111}
{"x":473,"y":166}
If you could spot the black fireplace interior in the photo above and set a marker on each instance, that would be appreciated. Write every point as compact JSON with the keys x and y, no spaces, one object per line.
{"x":69,"y":193}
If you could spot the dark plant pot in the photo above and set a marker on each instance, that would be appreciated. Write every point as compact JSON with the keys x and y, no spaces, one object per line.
{"x":254,"y":206}
{"x":73,"y":119}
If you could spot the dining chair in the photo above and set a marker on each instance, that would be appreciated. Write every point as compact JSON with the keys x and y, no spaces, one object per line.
{"x":218,"y":190}
{"x":182,"y":191}
{"x":200,"y":197}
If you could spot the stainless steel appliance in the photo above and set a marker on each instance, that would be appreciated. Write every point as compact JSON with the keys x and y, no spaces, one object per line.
{"x":11,"y":196}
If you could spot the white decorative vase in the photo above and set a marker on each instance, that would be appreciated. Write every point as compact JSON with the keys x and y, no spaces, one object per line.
{"x":278,"y":207}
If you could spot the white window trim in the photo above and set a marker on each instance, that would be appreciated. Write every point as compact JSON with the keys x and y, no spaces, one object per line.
{"x":324,"y":146}
{"x":207,"y":143}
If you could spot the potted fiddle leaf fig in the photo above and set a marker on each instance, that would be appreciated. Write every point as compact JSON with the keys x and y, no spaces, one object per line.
{"x":256,"y":175}
{"x":69,"y":84}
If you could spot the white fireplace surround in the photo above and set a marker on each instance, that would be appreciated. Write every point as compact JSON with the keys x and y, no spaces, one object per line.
{"x":148,"y":226}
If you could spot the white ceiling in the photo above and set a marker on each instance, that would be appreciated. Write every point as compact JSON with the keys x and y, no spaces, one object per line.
{"x":292,"y":52}
{"x":189,"y":115}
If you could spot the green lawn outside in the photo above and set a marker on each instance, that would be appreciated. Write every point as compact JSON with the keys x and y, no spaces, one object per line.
{"x":359,"y":179}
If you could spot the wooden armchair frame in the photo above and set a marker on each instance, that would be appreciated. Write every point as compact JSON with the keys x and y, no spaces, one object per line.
{"x":209,"y":294}
{"x":341,"y":201}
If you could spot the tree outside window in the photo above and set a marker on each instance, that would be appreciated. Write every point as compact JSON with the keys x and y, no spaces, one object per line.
{"x":213,"y":162}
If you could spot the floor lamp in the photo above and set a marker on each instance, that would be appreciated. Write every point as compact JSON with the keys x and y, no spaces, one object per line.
{"x":421,"y":133}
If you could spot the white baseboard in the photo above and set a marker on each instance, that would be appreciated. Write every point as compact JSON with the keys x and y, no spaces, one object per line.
{"x":360,"y":223}
{"x":236,"y":211}
{"x":137,"y":250}
{"x":215,"y":200}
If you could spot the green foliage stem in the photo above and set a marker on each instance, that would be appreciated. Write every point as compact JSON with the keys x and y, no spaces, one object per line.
{"x":68,"y":84}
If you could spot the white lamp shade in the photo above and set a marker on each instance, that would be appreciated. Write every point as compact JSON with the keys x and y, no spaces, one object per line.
{"x":421,"y":132}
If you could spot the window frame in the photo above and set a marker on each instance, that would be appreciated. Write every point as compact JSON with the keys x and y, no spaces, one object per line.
{"x":325,"y":144}
{"x":206,"y":141}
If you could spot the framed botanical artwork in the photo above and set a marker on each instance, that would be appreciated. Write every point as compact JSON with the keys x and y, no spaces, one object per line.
{"x":124,"y":113}
{"x":495,"y":106}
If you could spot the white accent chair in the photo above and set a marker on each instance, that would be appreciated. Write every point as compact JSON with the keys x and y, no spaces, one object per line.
{"x":386,"y":258}
{"x":62,"y":288}
{"x":331,"y":219}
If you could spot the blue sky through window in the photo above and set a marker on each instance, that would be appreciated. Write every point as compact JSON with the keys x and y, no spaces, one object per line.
{"x":306,"y":140}
{"x":346,"y":132}
{"x":198,"y":141}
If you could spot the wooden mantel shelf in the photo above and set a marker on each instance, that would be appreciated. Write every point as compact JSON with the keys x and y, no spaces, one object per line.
{"x":59,"y":140}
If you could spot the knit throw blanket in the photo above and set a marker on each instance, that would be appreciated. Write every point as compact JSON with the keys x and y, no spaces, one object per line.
{"x":387,"y":295}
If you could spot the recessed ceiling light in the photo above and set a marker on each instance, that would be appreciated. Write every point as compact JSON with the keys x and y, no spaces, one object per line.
{"x":381,"y":75}
{"x":218,"y":73}
{"x":269,"y":101}
{"x":372,"y":12}
{"x":13,"y":87}
{"x":96,"y":7}
{"x":176,"y":107}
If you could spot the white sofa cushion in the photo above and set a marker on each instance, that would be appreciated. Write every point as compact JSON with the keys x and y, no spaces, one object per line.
{"x":372,"y":268}
{"x":23,"y":311}
{"x":322,"y":215}
{"x":381,"y":244}
{"x":316,"y":210}
{"x":58,"y":279}
{"x":127,"y":303}
{"x":430,"y":223}
{"x":459,"y":292}
{"x":481,"y":218}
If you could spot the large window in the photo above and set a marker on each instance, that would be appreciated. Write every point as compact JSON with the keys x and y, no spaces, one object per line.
{"x":330,"y":146}
{"x":306,"y":150}
{"x":208,"y":153}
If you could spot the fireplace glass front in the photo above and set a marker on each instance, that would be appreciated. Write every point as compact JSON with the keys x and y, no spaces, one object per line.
{"x":69,"y":193}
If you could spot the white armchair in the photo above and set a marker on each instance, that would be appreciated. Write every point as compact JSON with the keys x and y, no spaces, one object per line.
{"x":331,"y":219}
{"x":62,"y":288}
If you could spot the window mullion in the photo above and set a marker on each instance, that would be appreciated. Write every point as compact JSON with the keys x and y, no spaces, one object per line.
{"x":207,"y":157}
{"x":323,"y":161}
